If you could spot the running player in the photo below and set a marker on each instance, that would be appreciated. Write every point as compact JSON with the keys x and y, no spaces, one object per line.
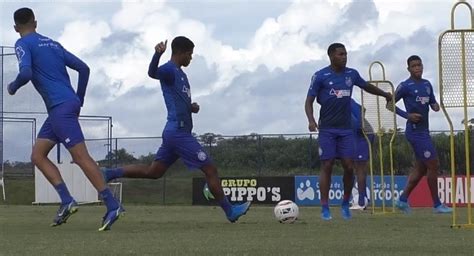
{"x":178,"y":141}
{"x":43,"y":61}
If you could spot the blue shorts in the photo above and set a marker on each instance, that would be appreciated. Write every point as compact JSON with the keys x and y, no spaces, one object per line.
{"x":422,"y":145}
{"x":336,"y":143}
{"x":361,"y":147}
{"x":62,"y":124}
{"x":184,"y":145}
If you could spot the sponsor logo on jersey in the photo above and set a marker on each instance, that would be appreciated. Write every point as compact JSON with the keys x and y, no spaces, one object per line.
{"x":340,"y":93}
{"x":422,"y":100}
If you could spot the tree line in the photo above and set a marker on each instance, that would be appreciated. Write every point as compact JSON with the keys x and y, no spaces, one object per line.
{"x":287,"y":155}
{"x":270,"y":155}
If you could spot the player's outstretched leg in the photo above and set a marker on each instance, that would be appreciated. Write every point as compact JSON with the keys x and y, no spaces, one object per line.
{"x":154,"y":171}
{"x":111,"y":174}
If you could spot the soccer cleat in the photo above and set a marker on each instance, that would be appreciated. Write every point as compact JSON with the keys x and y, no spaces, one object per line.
{"x":326,"y":214}
{"x":442,"y":208}
{"x":358,"y":207}
{"x":110,"y":217}
{"x":346,"y":212}
{"x":237,"y":211}
{"x":403,"y":206}
{"x":64,"y":212}
{"x":106,"y":178}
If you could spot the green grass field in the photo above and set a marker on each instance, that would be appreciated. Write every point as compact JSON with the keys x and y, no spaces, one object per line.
{"x":196,"y":230}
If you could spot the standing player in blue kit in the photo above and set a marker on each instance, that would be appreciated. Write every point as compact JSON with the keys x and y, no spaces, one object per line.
{"x":332,"y":87}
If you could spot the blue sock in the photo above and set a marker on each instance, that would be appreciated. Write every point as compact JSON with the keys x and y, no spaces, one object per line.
{"x":362,"y":197}
{"x":403,"y":198}
{"x":63,"y":193}
{"x":114,"y":173}
{"x":226,"y":206}
{"x":345,"y":199}
{"x":110,"y":202}
{"x":325,"y":207}
{"x":436,"y":202}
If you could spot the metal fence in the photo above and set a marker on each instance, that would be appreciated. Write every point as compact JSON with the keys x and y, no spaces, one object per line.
{"x":254,"y":154}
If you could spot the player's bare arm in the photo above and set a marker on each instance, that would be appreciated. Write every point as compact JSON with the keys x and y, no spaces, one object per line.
{"x":308,"y":107}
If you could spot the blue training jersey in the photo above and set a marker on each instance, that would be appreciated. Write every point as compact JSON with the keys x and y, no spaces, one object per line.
{"x":333,"y":92}
{"x":48,"y":61}
{"x":417,"y":96}
{"x":176,"y":92}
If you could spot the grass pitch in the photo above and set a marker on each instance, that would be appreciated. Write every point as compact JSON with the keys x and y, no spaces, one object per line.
{"x":196,"y":230}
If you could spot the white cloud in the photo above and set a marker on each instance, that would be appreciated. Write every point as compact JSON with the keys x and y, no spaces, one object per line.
{"x":282,"y":42}
{"x":83,"y":36}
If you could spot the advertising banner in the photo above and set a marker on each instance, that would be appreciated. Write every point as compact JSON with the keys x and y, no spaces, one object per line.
{"x":263,"y":190}
{"x":304,"y":190}
{"x":307,"y":190}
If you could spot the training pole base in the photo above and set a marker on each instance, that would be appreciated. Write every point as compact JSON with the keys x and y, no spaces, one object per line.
{"x":459,"y":226}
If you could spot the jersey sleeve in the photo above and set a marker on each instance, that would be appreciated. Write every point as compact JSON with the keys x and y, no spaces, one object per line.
{"x":23,"y":54}
{"x":163,"y":73}
{"x":400,"y":93}
{"x":314,"y":86}
{"x":432,"y":96}
{"x":77,"y":64}
{"x":358,"y":80}
{"x":25,"y":74}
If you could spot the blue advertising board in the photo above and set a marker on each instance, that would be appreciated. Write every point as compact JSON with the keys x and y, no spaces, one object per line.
{"x":307,"y":190}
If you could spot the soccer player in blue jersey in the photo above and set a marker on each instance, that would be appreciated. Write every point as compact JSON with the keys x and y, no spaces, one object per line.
{"x":332,"y":87}
{"x":361,"y":152}
{"x":418,"y":97}
{"x":43,"y":61}
{"x":178,"y":141}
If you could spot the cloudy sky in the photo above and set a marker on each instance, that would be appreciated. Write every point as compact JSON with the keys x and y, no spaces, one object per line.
{"x":253,"y":58}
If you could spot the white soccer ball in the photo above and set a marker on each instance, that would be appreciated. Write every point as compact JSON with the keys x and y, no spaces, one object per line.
{"x":286,"y":211}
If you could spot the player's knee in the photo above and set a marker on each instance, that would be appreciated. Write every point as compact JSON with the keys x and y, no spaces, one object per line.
{"x":81,"y":158}
{"x":37,"y":157}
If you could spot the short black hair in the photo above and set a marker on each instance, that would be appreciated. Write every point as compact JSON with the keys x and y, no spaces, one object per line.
{"x":412,"y":58}
{"x":23,"y":16}
{"x":181,"y":44}
{"x":332,"y":48}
